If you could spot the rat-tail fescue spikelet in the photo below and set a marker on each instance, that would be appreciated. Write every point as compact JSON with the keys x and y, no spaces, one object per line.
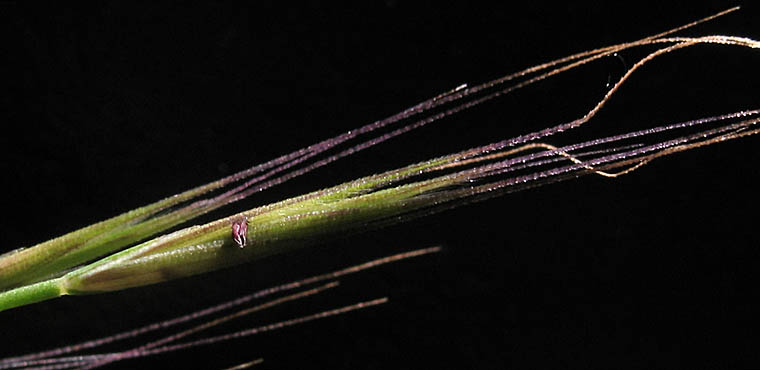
{"x":370,"y":202}
{"x":48,"y":259}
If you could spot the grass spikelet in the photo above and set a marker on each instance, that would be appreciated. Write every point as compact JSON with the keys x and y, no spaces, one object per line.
{"x":158,"y":243}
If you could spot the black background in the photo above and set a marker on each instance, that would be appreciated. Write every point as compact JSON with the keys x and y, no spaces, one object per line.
{"x":111,"y":106}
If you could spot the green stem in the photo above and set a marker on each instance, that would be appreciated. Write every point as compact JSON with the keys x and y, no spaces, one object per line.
{"x":33,"y":293}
